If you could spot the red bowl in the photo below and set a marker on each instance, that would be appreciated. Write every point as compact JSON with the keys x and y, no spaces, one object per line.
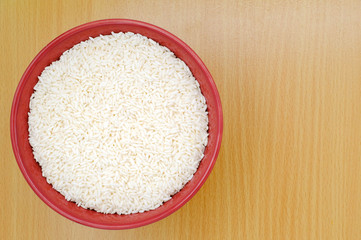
{"x":31,"y":169}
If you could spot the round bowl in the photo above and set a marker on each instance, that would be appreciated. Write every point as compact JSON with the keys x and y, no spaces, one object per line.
{"x":31,"y":169}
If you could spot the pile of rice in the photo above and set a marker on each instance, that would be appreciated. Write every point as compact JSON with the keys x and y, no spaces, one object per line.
{"x":118,"y":124}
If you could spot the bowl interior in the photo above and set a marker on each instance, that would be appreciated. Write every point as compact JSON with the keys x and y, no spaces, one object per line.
{"x":19,"y":124}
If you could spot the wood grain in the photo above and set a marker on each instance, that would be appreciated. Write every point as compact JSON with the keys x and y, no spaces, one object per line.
{"x":289,"y":76}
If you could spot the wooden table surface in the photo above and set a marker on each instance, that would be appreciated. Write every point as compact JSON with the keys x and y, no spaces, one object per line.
{"x":289,"y":76}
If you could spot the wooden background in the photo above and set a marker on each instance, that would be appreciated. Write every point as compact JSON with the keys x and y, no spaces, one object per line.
{"x":289,"y":76}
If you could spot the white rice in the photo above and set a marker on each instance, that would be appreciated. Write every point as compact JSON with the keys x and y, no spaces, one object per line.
{"x":118,"y":124}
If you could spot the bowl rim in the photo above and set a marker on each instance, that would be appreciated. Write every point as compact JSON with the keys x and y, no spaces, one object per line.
{"x":53,"y":43}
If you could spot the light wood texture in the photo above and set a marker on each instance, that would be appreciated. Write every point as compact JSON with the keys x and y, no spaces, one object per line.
{"x":289,"y":76}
